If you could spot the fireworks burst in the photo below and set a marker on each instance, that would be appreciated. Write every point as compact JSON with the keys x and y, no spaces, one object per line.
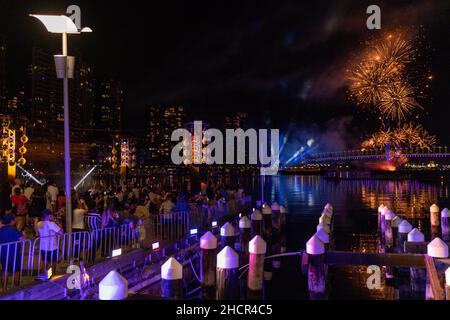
{"x":398,"y":101}
{"x":380,"y":81}
{"x":409,"y":135}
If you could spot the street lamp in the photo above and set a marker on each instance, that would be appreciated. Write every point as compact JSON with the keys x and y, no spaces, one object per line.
{"x":64,"y":70}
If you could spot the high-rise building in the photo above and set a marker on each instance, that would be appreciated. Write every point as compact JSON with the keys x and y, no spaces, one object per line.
{"x":162,"y":120}
{"x":82,"y":113}
{"x":108,"y":108}
{"x":3,"y":93}
{"x":46,"y":98}
{"x":236,"y":120}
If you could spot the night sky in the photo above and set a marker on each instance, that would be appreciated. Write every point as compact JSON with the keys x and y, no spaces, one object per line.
{"x":282,"y":61}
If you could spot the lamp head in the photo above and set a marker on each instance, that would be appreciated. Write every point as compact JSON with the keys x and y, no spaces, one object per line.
{"x":57,"y":23}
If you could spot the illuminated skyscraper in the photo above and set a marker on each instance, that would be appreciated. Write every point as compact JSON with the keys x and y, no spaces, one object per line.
{"x":161,"y":121}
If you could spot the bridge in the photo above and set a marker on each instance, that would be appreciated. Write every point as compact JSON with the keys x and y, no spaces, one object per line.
{"x":377,"y":154}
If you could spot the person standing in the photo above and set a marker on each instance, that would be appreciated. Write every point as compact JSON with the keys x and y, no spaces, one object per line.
{"x":11,"y":259}
{"x":29,"y":189}
{"x":49,"y":232}
{"x":19,"y":202}
{"x":52,"y":192}
{"x":37,"y":205}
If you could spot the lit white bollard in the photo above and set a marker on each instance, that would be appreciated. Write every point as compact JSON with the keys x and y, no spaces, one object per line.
{"x":315,"y":249}
{"x":434,"y":215}
{"x":323,"y":226}
{"x":113,"y":287}
{"x":437,"y":249}
{"x":257,"y":223}
{"x":255,"y":279}
{"x":172,"y":279}
{"x":323,"y":236}
{"x":447,"y":284}
{"x":267,"y":218}
{"x":227,"y":274}
{"x":227,"y":235}
{"x":416,"y":236}
{"x":403,"y":229}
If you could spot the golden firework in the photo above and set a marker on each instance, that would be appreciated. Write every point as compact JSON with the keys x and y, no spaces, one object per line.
{"x":397,"y":101}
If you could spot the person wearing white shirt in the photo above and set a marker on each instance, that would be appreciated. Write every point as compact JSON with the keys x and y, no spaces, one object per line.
{"x":49,"y":233}
{"x":28,"y":191}
{"x":52,"y":191}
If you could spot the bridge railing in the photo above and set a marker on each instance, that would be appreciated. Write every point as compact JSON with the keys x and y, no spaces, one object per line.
{"x":378,"y":152}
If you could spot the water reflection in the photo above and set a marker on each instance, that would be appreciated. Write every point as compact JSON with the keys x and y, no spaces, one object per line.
{"x":355,"y":205}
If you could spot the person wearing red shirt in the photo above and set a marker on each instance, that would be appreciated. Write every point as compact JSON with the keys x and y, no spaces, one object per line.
{"x":19,"y":202}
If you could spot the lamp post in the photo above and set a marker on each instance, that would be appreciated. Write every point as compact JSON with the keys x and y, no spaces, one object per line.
{"x":64,"y":65}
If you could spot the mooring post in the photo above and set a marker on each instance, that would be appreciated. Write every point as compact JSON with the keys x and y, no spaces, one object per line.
{"x":394,"y":224}
{"x":383,"y":222}
{"x":276,"y":217}
{"x":435,"y":249}
{"x":388,"y":234}
{"x":403,"y":229}
{"x":267,"y":217}
{"x":244,"y":238}
{"x":380,"y":210}
{"x":447,"y":284}
{"x":257,"y":223}
{"x":316,"y":269}
{"x":417,"y":275}
{"x":172,"y":279}
{"x":227,"y":274}
{"x":434,"y":221}
{"x":324,"y":237}
{"x":324,"y":226}
{"x":227,"y":235}
{"x":445,"y":224}
{"x":283,"y":217}
{"x":255,"y":279}
{"x":208,"y":246}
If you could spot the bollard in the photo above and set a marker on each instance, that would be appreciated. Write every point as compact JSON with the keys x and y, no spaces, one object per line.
{"x":255,"y":279}
{"x":445,"y":224}
{"x":435,"y":249}
{"x":325,"y":219}
{"x":227,"y":274}
{"x":267,"y":217}
{"x":329,"y":207}
{"x":244,"y":238}
{"x":323,"y":226}
{"x":382,"y":220}
{"x":257,"y":223}
{"x":113,"y":287}
{"x":283,"y":217}
{"x":172,"y":279}
{"x":447,"y":284}
{"x":388,"y":236}
{"x":276,"y":217}
{"x":417,"y":275}
{"x":324,"y":237}
{"x":380,"y":210}
{"x":395,"y":223}
{"x":434,"y":215}
{"x":316,"y":268}
{"x":208,"y":246}
{"x":227,"y":235}
{"x":403,"y":229}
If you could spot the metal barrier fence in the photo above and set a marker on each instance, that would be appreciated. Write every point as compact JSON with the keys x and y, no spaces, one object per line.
{"x":165,"y":226}
{"x":27,"y":259}
{"x":22,"y":261}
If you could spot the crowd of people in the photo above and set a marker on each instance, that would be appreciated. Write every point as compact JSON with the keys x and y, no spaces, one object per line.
{"x":115,"y":205}
{"x":30,"y":210}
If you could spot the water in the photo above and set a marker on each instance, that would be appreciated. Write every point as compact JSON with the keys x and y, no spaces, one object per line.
{"x":355,"y":205}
